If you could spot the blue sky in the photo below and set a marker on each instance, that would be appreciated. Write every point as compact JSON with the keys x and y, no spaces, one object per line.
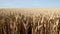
{"x":29,"y":3}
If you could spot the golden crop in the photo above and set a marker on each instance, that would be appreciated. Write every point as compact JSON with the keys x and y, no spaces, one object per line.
{"x":30,"y":21}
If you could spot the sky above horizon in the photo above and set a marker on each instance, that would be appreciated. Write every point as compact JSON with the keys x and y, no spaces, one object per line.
{"x":29,"y":3}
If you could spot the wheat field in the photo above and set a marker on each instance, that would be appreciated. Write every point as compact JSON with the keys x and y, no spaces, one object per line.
{"x":29,"y":20}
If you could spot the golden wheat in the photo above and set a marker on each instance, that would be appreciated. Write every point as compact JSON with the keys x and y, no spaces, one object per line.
{"x":30,"y":21}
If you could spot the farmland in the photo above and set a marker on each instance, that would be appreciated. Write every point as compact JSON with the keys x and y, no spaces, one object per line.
{"x":29,"y":21}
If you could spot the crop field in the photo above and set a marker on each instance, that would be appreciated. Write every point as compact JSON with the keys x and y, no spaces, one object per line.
{"x":29,"y":20}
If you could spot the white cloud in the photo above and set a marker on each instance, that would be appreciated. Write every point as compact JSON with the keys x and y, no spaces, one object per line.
{"x":7,"y":4}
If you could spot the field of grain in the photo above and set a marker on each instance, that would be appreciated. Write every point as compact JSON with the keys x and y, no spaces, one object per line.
{"x":29,"y":20}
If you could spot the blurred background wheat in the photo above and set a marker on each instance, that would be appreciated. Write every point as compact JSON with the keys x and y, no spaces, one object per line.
{"x":30,"y":21}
